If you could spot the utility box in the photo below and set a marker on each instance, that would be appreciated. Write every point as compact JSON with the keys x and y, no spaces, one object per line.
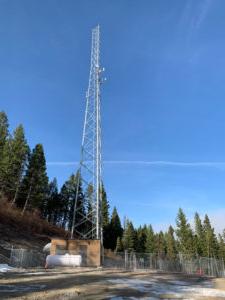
{"x":90,"y":250}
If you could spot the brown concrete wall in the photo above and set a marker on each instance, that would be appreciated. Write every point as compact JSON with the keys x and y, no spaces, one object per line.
{"x":89,"y":249}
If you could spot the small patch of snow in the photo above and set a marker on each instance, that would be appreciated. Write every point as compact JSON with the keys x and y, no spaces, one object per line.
{"x":35,"y":273}
{"x":202,"y":291}
{"x":5,"y":268}
{"x":140,"y":285}
{"x":175,"y":288}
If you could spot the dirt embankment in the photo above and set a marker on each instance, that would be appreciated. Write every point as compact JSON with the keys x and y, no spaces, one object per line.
{"x":28,"y":231}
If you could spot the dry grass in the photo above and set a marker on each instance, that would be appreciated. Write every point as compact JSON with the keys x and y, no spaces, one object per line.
{"x":29,"y":222}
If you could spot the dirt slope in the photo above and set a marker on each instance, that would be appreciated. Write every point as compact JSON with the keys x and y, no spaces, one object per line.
{"x":14,"y":237}
{"x":27,"y":232}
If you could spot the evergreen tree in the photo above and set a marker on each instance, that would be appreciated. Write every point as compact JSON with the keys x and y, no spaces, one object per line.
{"x":105,"y":208}
{"x":105,"y":219}
{"x":4,"y":150}
{"x":221,"y":247}
{"x":68,"y":198}
{"x":184,"y":234}
{"x":34,"y":187}
{"x":211,"y":245}
{"x":51,"y":210}
{"x":119,"y":245}
{"x":129,"y":236}
{"x":141,"y":239}
{"x":160,"y":244}
{"x":64,"y":205}
{"x":199,"y":236}
{"x":150,"y":246}
{"x":5,"y":169}
{"x":18,"y":160}
{"x":171,"y":248}
{"x":4,"y":131}
{"x":115,"y":229}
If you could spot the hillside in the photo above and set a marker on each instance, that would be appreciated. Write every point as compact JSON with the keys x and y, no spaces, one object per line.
{"x":27,"y":232}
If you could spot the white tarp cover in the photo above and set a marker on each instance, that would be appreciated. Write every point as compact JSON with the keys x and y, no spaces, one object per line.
{"x":47,"y":247}
{"x":66,"y":260}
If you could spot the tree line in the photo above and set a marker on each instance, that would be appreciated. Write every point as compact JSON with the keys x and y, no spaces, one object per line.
{"x":25,"y":184}
{"x":200,"y":241}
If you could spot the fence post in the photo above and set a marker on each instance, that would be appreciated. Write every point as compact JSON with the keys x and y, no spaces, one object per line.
{"x":126,"y":259}
{"x":150,"y":261}
{"x":223,"y":273}
{"x":134,"y":261}
{"x":11,"y":255}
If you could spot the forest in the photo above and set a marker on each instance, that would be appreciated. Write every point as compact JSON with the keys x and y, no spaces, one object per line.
{"x":25,"y":185}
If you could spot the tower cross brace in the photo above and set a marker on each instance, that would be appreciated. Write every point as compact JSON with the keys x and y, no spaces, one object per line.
{"x":87,"y":218}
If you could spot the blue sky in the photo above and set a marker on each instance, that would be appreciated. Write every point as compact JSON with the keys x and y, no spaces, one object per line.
{"x":163,"y":104}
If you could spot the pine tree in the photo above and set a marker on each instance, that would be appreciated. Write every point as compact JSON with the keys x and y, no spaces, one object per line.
{"x":119,"y":245}
{"x":150,"y":246}
{"x":64,"y":205}
{"x":171,"y":248}
{"x":105,"y":208}
{"x":160,"y":244}
{"x":18,"y":161}
{"x":211,"y":249}
{"x":5,"y":169}
{"x":199,"y":236}
{"x":105,"y":219}
{"x":4,"y":150}
{"x":141,"y":239}
{"x":184,"y":234}
{"x":129,"y":236}
{"x":4,"y":131}
{"x":68,"y":198}
{"x":34,"y":187}
{"x":115,"y":229}
{"x":221,"y":247}
{"x":51,"y":208}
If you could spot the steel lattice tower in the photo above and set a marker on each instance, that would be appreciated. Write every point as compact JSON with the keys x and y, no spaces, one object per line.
{"x":90,"y":164}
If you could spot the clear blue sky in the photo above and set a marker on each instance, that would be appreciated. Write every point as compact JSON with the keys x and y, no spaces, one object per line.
{"x":163,"y":105}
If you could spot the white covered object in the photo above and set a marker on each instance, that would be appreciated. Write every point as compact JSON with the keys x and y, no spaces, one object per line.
{"x":5,"y":268}
{"x":47,"y":247}
{"x":66,"y":260}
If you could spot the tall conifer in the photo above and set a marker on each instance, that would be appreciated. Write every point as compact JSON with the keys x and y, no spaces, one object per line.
{"x":211,"y":246}
{"x":34,"y":187}
{"x":129,"y":236}
{"x":171,"y":247}
{"x":150,"y":245}
{"x":184,"y":234}
{"x":115,"y":230}
{"x":4,"y":151}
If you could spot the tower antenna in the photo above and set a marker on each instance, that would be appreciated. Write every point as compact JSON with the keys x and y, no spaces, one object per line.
{"x":87,"y":218}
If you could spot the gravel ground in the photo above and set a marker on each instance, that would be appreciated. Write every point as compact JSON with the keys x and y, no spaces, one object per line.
{"x":68,"y":284}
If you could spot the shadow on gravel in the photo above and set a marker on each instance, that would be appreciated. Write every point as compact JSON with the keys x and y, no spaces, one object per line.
{"x":99,"y":284}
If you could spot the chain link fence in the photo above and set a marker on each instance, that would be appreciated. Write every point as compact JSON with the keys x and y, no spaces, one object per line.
{"x":182,"y":263}
{"x":132,"y":261}
{"x":24,"y":258}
